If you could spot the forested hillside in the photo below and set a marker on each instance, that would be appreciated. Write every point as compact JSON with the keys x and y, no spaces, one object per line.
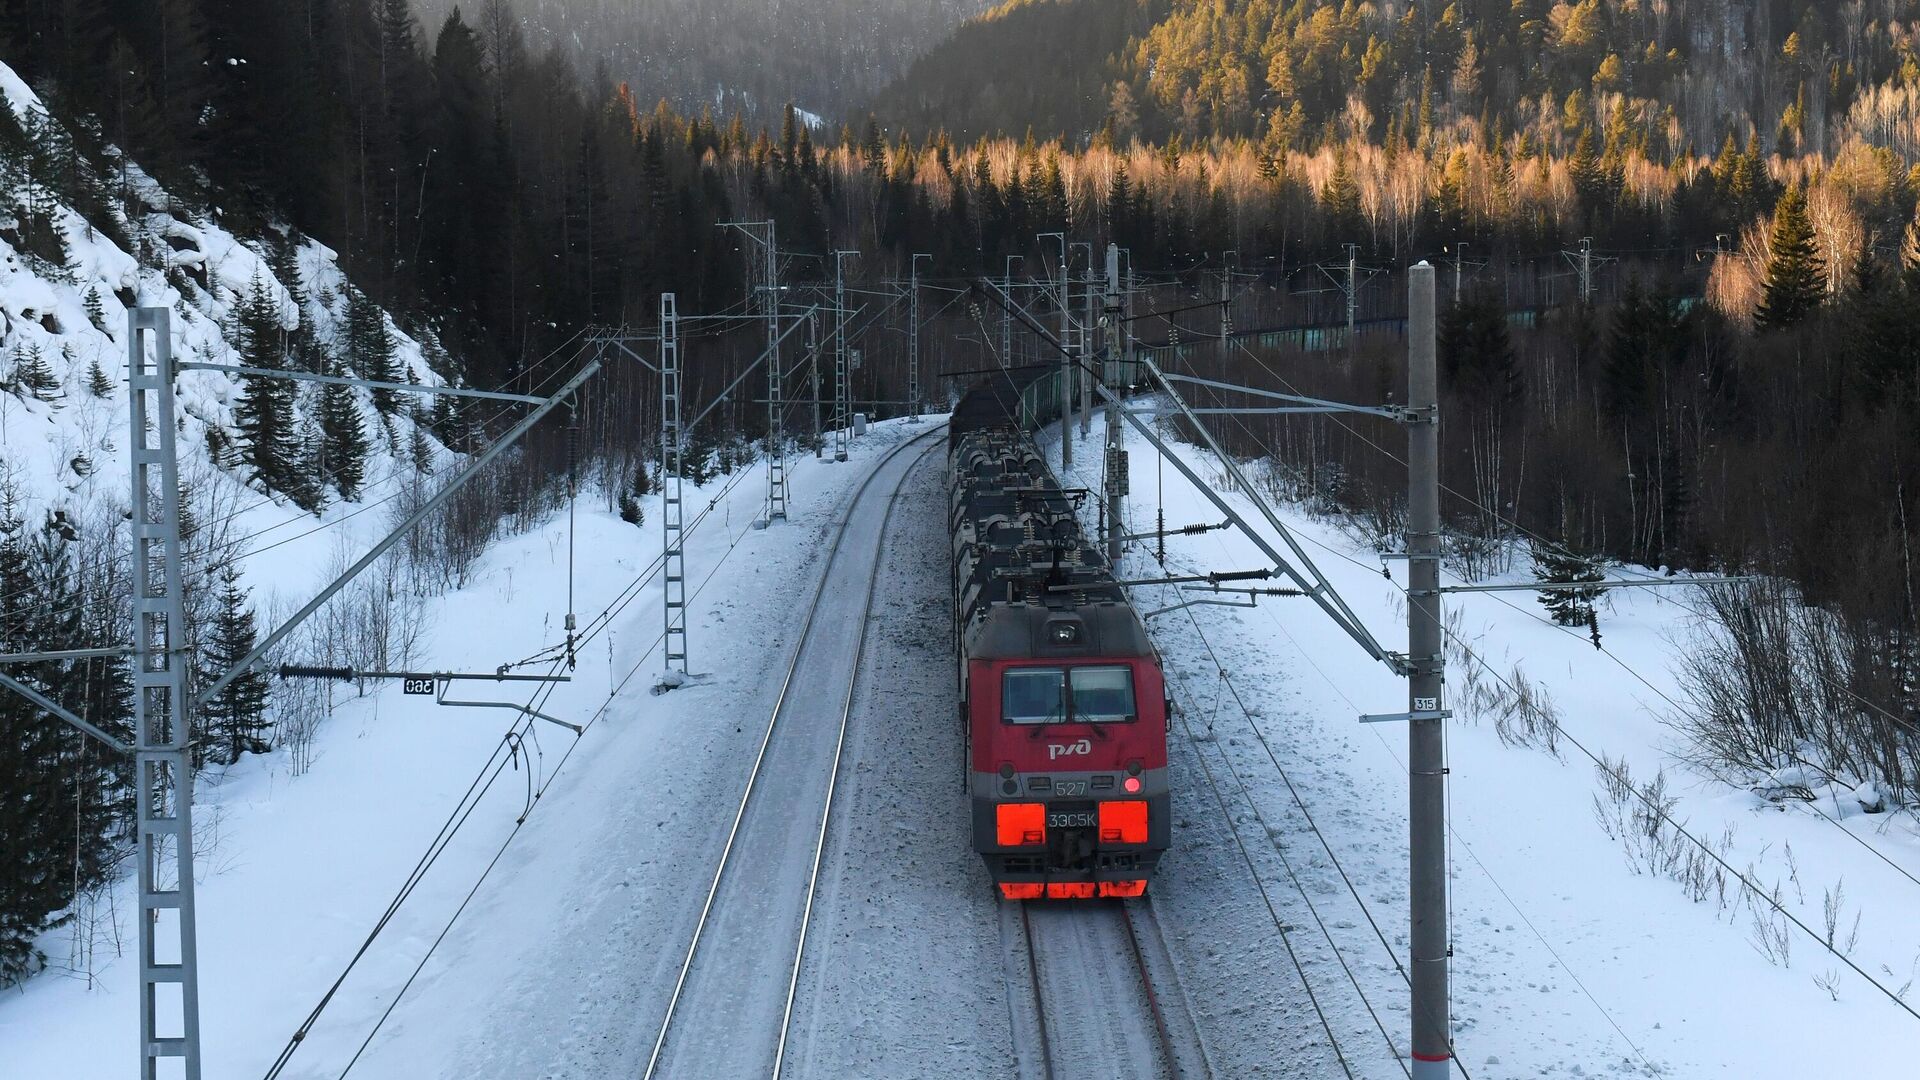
{"x":746,"y":56}
{"x":1801,"y":74}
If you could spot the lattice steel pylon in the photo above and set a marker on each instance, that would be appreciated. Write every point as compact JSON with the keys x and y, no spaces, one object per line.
{"x":776,"y":402}
{"x":842,"y":384}
{"x":768,"y":291}
{"x":913,"y":341}
{"x":673,"y":568}
{"x":163,"y":773}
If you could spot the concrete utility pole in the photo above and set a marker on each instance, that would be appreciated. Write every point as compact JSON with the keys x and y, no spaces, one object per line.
{"x":1459,"y":255}
{"x":842,"y":386}
{"x":1426,"y":667}
{"x":1087,"y":375}
{"x":1066,"y":355}
{"x":161,"y":725}
{"x":913,"y":339}
{"x":1006,"y":317}
{"x":1111,"y":376}
{"x":1586,"y":269}
{"x":1226,"y":316}
{"x":1353,"y":292}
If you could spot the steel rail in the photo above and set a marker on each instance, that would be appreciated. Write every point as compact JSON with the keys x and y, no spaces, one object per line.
{"x":760,"y":756}
{"x":1184,"y":1058}
{"x":840,"y":740}
{"x":1174,"y":1059}
{"x":1039,"y":996}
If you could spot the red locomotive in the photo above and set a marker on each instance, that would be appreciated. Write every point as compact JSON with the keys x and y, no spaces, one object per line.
{"x":1060,"y":688}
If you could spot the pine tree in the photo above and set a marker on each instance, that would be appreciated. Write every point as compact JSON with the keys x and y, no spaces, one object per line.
{"x":420,"y":447}
{"x":96,"y":379}
{"x":1796,"y":275}
{"x":1589,"y":181}
{"x":1120,"y":205}
{"x":51,"y":835}
{"x":1556,"y":564}
{"x":96,"y":310}
{"x":233,"y":722}
{"x":283,"y":257}
{"x":35,"y":375}
{"x":264,"y":413}
{"x":1341,"y":199}
{"x":343,"y":453}
{"x":370,"y":348}
{"x":1476,"y":351}
{"x":1625,"y":375}
{"x":631,"y":510}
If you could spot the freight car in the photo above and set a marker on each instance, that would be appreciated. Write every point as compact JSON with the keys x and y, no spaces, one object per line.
{"x":1061,"y":692}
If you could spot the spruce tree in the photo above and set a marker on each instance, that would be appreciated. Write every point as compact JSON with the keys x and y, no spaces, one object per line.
{"x":1476,"y":351}
{"x":51,"y":828}
{"x":96,"y":310}
{"x":1120,"y":204}
{"x":370,"y":348}
{"x":631,"y":511}
{"x":1341,"y":199}
{"x":343,"y":454}
{"x":419,"y":446}
{"x":1556,"y":564}
{"x":233,"y":722}
{"x":264,"y":413}
{"x":35,"y":375}
{"x":1796,"y":275}
{"x":97,"y":382}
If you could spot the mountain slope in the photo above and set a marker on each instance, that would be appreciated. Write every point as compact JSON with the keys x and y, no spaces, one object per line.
{"x":1797,"y":74}
{"x":1046,"y":64}
{"x":751,"y":56}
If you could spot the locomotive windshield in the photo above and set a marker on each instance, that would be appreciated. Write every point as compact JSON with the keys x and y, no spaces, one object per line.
{"x":1099,"y":695}
{"x":1102,"y":694}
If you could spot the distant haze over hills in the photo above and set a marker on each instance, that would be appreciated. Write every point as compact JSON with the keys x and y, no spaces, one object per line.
{"x":826,"y":56}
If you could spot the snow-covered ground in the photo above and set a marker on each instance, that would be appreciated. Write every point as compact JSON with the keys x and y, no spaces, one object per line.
{"x":302,"y":869}
{"x":1568,"y":958}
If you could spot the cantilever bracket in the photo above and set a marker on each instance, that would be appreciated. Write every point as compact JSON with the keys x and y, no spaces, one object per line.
{"x":528,"y":710}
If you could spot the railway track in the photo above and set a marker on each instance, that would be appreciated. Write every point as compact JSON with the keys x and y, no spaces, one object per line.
{"x":732,"y":1000}
{"x":1100,"y":993}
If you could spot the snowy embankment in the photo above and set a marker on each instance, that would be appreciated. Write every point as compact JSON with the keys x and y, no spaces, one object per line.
{"x":1576,"y":952}
{"x":64,"y":445}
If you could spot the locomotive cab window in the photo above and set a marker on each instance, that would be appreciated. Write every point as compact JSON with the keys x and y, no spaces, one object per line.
{"x":1099,"y":695}
{"x":1102,"y":694}
{"x":1033,"y":696}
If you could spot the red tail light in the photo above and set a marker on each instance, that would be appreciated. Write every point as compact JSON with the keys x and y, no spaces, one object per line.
{"x":1123,"y":822}
{"x":1018,"y":824}
{"x":1024,"y":890}
{"x":1123,"y":888}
